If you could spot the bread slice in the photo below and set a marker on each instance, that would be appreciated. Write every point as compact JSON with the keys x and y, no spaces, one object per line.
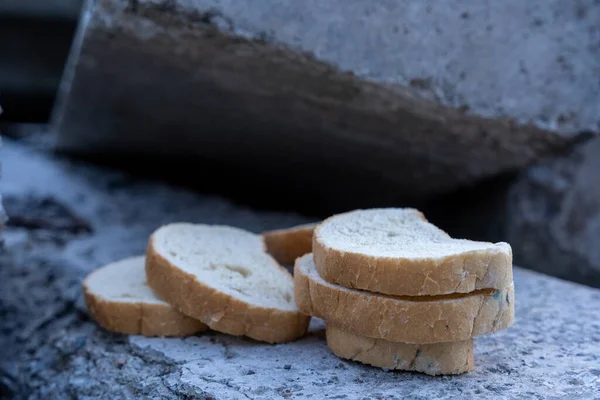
{"x":418,"y":319}
{"x":223,"y":277}
{"x":120,"y":300}
{"x":449,"y":358}
{"x":285,"y":245}
{"x":396,"y":251}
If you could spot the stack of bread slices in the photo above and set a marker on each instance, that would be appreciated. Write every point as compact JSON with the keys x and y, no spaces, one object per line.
{"x":397,"y":292}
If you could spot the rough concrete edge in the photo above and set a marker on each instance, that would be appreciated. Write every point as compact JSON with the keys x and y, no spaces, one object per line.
{"x":214,"y":18}
{"x":395,"y":96}
{"x":64,"y":88}
{"x":543,"y":201}
{"x":69,"y":320}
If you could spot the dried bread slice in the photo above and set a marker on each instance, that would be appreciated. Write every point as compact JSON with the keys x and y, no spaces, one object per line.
{"x":285,"y":245}
{"x":223,"y":277}
{"x":396,"y":251}
{"x":409,"y":319}
{"x":449,"y":358}
{"x":120,"y":300}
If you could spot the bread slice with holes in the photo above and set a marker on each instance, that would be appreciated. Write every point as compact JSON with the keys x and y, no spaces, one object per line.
{"x":223,"y":277}
{"x":396,"y":251}
{"x":119,"y":299}
{"x":449,"y":358}
{"x":285,"y":245}
{"x":409,"y":319}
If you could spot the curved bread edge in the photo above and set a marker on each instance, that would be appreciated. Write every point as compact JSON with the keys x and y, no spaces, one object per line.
{"x":140,"y":318}
{"x":285,"y":245}
{"x":421,"y":319}
{"x":448,"y":358}
{"x":220,"y":311}
{"x":461,"y":273}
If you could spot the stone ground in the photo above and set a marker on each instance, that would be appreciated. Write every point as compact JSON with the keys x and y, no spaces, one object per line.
{"x":68,"y":218}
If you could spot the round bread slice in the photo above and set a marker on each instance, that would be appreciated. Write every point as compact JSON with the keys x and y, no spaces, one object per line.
{"x":223,"y":277}
{"x":417,"y":319}
{"x":119,"y":299}
{"x":396,"y":251}
{"x":285,"y":245}
{"x":449,"y":358}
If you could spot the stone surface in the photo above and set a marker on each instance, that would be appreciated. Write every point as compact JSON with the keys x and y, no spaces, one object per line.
{"x":513,"y":59}
{"x":552,"y":351}
{"x":410,"y":98}
{"x":50,"y":348}
{"x":553,"y":216}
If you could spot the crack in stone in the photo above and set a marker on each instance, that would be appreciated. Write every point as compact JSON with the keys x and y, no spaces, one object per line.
{"x":224,"y":383}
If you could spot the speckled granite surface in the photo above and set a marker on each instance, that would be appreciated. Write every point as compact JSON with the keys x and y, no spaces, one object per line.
{"x":69,"y":218}
{"x":553,"y":351}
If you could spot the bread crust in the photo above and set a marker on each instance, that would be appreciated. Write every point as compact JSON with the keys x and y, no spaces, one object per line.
{"x":419,"y":319}
{"x":285,"y":245}
{"x":461,"y":273}
{"x":449,"y":358}
{"x":140,"y":318}
{"x":220,"y":311}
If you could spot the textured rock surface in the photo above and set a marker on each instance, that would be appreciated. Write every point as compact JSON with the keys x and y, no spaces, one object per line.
{"x":513,"y":59}
{"x":552,"y":351}
{"x":553,"y":216}
{"x":550,"y":213}
{"x":50,"y":349}
{"x":401,"y":90}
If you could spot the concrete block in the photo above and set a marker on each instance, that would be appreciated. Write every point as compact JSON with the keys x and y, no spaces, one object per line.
{"x":404,"y":98}
{"x":553,"y":216}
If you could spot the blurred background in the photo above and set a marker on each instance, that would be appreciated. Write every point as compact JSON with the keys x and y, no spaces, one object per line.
{"x":36,"y":38}
{"x":489,"y":128}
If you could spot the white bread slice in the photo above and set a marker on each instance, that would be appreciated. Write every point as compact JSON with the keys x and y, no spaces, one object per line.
{"x":285,"y":245}
{"x":396,"y":251}
{"x":417,"y":319}
{"x":449,"y":358}
{"x":223,"y":277}
{"x":120,"y":300}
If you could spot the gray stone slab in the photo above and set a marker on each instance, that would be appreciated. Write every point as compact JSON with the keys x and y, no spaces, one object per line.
{"x":553,"y":215}
{"x":412,"y":98}
{"x":552,"y":351}
{"x":50,"y":348}
{"x":528,"y":61}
